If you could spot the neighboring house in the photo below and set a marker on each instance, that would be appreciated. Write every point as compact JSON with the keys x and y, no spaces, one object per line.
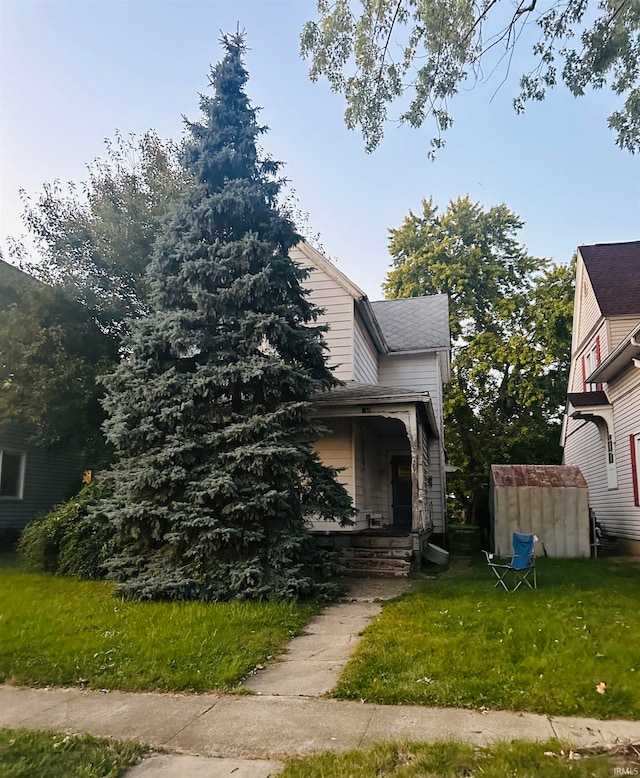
{"x":31,"y":480}
{"x":601,"y":433}
{"x":385,"y":422}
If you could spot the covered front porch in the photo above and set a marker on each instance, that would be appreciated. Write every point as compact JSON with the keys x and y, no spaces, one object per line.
{"x":379,"y":439}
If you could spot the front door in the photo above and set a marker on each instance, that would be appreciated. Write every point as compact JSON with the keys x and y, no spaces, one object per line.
{"x":401,"y":492}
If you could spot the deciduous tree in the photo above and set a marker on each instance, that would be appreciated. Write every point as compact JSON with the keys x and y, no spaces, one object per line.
{"x":378,"y":51}
{"x":93,"y":243}
{"x":510,"y":317}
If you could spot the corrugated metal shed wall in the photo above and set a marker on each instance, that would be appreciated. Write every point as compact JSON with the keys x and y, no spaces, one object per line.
{"x":551,"y":501}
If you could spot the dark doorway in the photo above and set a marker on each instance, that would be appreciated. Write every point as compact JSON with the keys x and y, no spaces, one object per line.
{"x":401,"y":492}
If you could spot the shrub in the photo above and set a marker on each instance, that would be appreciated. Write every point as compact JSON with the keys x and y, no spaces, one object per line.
{"x":72,"y":540}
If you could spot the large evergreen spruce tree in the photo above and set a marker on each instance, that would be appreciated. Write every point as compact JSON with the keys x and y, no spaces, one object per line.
{"x":210,"y":411}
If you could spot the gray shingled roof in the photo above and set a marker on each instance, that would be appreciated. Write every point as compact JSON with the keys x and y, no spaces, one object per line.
{"x":414,"y":323}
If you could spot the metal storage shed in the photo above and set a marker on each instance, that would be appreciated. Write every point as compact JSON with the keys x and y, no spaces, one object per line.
{"x":550,"y":501}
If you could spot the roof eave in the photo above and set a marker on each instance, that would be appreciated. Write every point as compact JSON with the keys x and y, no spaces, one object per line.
{"x":366,"y":311}
{"x":317,"y":259}
{"x":618,"y":360}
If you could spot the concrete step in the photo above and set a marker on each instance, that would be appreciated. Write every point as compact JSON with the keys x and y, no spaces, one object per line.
{"x":375,"y":567}
{"x":375,"y":553}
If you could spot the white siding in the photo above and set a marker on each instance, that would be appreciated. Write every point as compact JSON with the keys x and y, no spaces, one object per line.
{"x":337,"y":450}
{"x":622,"y":517}
{"x":422,"y":372}
{"x":413,"y":371}
{"x":585,"y":448}
{"x":587,"y":309}
{"x":365,"y":367}
{"x":338,"y":314}
{"x":601,"y":336}
{"x":619,"y":329}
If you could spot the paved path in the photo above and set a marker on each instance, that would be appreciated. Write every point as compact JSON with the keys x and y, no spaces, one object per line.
{"x":212,"y":735}
{"x":270,"y":727}
{"x":313,"y":662}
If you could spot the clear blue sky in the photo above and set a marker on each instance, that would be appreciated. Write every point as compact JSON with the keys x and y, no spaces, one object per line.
{"x":73,"y":72}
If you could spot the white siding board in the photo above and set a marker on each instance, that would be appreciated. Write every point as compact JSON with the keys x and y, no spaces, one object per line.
{"x":422,"y":373}
{"x":338,"y":315}
{"x":585,"y":448}
{"x":365,"y":356}
{"x":413,"y":371}
{"x":619,"y":328}
{"x":336,"y":449}
{"x":589,"y":309}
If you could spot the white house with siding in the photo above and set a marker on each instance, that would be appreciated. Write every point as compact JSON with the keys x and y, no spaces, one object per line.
{"x":385,"y":423}
{"x":601,"y":433}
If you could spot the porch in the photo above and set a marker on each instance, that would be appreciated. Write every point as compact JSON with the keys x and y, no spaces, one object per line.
{"x":379,"y":439}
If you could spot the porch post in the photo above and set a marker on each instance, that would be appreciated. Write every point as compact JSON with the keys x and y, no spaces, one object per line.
{"x":417,"y":471}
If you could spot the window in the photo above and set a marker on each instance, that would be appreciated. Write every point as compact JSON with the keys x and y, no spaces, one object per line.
{"x":590,"y":361}
{"x":635,"y":467}
{"x":11,"y":474}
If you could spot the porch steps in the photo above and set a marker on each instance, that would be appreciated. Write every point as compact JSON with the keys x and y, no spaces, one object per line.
{"x":377,"y":557}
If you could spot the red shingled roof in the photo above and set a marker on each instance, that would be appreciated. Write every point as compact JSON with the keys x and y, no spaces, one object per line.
{"x":614,"y":270}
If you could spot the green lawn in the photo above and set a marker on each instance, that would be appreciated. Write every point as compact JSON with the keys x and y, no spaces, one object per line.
{"x":61,"y":631}
{"x":44,"y":754}
{"x":462,"y":643}
{"x":461,"y":760}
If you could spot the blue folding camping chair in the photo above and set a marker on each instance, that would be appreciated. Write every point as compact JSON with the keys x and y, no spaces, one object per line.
{"x":517,"y":569}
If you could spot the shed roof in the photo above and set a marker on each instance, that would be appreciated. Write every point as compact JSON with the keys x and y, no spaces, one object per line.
{"x":537,"y":475}
{"x":414,"y":323}
{"x":614,"y":271}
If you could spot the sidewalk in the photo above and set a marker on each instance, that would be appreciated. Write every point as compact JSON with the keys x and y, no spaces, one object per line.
{"x":284,"y":717}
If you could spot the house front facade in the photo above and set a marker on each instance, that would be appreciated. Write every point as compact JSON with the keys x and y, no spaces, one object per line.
{"x":385,"y":422}
{"x":601,"y":432}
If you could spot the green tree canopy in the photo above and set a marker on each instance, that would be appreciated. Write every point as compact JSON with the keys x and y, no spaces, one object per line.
{"x":50,"y":353}
{"x":377,"y":51}
{"x":210,"y":412}
{"x":95,"y":239}
{"x":93,"y":242}
{"x":510,"y":317}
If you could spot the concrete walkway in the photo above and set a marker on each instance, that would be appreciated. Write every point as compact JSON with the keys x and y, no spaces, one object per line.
{"x":212,"y":735}
{"x":313,"y":662}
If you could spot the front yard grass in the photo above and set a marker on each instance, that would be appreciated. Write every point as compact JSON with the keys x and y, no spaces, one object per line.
{"x":460,"y":760}
{"x":461,"y":643}
{"x":63,"y":632}
{"x":25,"y":754}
